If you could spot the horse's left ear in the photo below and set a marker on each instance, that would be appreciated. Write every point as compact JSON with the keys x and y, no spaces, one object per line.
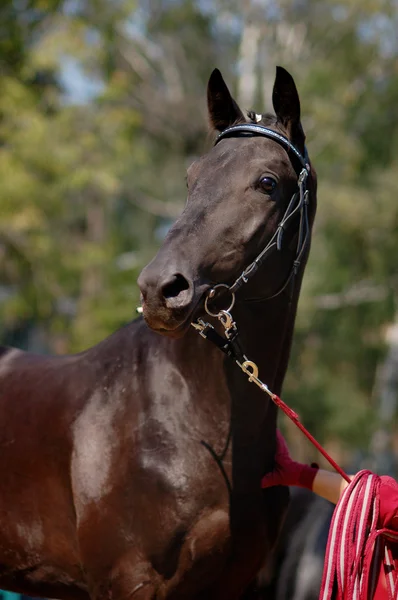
{"x":223,"y":110}
{"x":286,"y":104}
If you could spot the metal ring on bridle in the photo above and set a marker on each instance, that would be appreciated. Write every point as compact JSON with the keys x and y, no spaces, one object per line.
{"x":211,"y":295}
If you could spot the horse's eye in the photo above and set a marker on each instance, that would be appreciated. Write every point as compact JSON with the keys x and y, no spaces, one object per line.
{"x":267,"y":185}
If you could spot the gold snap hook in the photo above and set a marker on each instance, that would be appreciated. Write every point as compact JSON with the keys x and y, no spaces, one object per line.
{"x":251,"y":369}
{"x":226,"y":319}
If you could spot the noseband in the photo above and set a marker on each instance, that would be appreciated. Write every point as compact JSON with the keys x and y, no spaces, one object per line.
{"x":297,"y":205}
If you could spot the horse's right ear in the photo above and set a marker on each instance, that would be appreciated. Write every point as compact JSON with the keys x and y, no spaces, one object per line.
{"x":286,"y":103}
{"x":223,"y":110}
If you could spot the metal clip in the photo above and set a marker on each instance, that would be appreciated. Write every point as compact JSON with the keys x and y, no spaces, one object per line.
{"x":226,"y":319}
{"x":303,"y":176}
{"x":251,"y":369}
{"x":201,"y":326}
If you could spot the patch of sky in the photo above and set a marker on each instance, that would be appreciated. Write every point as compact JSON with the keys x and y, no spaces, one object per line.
{"x":340,"y":12}
{"x":92,"y":37}
{"x":135,"y":28}
{"x":20,"y":5}
{"x":228,"y":22}
{"x":381,"y":30}
{"x":79,"y":88}
{"x":272,"y":10}
{"x":72,"y":7}
{"x":137,"y":22}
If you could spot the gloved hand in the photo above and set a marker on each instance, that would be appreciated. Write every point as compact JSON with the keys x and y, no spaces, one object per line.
{"x":388,"y":498}
{"x":287,"y":471}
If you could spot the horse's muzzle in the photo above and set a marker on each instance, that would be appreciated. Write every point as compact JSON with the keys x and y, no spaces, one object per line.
{"x":168,"y":299}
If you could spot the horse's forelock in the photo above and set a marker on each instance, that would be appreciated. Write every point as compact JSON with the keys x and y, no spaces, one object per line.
{"x":267,"y":119}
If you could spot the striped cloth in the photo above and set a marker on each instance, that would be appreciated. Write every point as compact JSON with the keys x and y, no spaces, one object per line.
{"x":359,"y":561}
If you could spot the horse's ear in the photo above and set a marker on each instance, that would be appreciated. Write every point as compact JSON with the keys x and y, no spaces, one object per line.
{"x":223,"y":110}
{"x":286,"y":102}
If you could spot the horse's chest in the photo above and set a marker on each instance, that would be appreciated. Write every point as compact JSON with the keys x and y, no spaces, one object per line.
{"x":188,"y":450}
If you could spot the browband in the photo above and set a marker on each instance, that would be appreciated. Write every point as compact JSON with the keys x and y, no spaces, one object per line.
{"x":254,"y":129}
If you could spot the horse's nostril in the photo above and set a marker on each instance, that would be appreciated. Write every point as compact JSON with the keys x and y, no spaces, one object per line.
{"x":175,"y":286}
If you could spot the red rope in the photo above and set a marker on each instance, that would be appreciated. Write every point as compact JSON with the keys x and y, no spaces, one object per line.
{"x":358,"y":550}
{"x":293,"y":416}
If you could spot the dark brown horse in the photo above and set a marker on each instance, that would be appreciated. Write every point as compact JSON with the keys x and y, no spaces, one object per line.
{"x":132,"y":470}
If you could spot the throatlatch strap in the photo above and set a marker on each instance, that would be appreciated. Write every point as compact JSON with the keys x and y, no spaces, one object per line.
{"x":356,"y":549}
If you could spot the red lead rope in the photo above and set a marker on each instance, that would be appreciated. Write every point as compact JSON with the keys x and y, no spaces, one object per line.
{"x":293,"y":416}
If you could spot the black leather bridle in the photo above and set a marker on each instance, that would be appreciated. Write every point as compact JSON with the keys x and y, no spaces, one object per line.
{"x":297,"y":205}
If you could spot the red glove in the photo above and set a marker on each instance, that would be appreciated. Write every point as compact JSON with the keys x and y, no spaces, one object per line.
{"x":388,"y":496}
{"x":287,"y":471}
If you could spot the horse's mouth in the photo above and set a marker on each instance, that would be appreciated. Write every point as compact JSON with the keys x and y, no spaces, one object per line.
{"x":175,"y":333}
{"x":172,"y":327}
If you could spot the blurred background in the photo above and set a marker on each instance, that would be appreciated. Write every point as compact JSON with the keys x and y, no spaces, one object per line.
{"x":102,"y":108}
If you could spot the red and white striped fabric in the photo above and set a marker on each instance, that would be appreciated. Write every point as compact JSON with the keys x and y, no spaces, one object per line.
{"x":359,"y":561}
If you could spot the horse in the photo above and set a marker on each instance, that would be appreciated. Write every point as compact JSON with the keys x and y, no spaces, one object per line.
{"x":133,"y":469}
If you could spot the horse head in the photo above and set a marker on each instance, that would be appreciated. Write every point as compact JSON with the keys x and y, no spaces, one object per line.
{"x":243,"y":197}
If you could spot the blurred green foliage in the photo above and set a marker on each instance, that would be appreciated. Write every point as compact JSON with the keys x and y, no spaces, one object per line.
{"x":102,"y":107}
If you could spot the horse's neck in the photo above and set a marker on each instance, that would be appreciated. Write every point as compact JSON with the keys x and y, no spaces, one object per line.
{"x":266,"y":331}
{"x":226,"y":396}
